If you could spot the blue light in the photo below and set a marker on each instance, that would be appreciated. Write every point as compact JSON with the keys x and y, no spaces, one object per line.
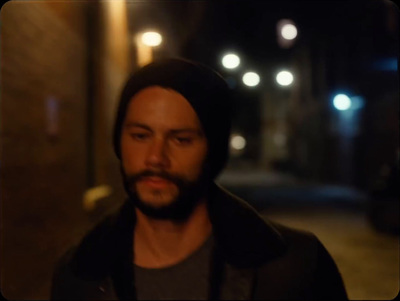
{"x":342,"y":102}
{"x":387,"y":64}
{"x":357,"y":102}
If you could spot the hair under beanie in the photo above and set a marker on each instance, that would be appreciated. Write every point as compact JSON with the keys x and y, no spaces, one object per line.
{"x":205,"y":90}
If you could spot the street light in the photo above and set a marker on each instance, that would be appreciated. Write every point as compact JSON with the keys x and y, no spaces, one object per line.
{"x":284,"y":78}
{"x":230,"y":61}
{"x":286,"y":32}
{"x":145,"y":42}
{"x":238,"y":142}
{"x":342,"y":102}
{"x":151,"y":38}
{"x":251,"y":79}
{"x":289,"y":31}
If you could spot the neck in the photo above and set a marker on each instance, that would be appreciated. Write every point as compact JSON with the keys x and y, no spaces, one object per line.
{"x":161,"y":243}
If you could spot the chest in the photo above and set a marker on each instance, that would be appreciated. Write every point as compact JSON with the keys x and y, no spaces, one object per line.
{"x":185,"y":281}
{"x":183,"y":284}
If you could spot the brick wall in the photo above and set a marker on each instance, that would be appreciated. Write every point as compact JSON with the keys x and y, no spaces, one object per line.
{"x":63,"y":64}
{"x":43,"y":146}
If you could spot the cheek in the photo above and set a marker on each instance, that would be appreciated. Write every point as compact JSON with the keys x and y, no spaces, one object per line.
{"x":193,"y":163}
{"x":130,"y":156}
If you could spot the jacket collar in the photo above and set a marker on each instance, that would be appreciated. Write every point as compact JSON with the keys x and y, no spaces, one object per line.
{"x":244,"y":237}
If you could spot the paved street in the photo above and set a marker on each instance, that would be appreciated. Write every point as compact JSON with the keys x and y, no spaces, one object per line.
{"x":368,"y":260}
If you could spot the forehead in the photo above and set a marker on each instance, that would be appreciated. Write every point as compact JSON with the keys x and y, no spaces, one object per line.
{"x":158,"y":106}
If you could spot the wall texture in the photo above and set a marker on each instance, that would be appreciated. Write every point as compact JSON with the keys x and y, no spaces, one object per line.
{"x":43,"y":130}
{"x":60,"y":79}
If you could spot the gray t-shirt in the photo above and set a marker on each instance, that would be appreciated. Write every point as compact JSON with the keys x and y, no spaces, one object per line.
{"x":187,"y":280}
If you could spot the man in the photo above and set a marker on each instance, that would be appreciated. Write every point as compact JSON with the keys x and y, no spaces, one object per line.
{"x":179,"y":235}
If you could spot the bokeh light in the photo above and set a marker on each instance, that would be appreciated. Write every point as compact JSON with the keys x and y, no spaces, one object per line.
{"x":151,"y":38}
{"x":342,"y":102}
{"x":251,"y":79}
{"x":357,"y":102}
{"x":238,"y":142}
{"x":284,"y":78}
{"x":289,"y":31}
{"x":231,"y":61}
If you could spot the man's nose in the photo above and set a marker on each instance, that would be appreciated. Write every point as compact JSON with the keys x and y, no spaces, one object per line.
{"x":157,"y":156}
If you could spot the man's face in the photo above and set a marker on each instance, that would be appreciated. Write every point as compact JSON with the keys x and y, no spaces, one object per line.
{"x":163,"y":151}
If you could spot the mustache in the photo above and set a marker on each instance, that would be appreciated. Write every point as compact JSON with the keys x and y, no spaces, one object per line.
{"x":133,"y":178}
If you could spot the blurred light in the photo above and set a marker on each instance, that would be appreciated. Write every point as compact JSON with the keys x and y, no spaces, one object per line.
{"x":238,"y":142}
{"x":151,"y":38}
{"x":116,"y":12}
{"x":357,"y":102}
{"x":280,"y":139}
{"x":230,"y":61}
{"x":251,"y":79}
{"x":289,"y":31}
{"x":342,"y":102}
{"x":286,"y":33}
{"x":95,"y":194}
{"x":284,"y":78}
{"x":388,"y":64}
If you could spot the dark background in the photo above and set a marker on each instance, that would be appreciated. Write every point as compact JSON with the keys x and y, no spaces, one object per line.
{"x":63,"y":64}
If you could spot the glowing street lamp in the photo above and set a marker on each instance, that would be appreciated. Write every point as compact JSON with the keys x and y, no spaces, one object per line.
{"x":145,"y":42}
{"x":151,"y":38}
{"x":289,"y":31}
{"x":286,"y":32}
{"x":342,"y":102}
{"x":238,"y":142}
{"x":284,"y":78}
{"x":230,"y":61}
{"x":251,"y":79}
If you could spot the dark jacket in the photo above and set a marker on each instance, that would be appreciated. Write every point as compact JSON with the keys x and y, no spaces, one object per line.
{"x":260,"y":260}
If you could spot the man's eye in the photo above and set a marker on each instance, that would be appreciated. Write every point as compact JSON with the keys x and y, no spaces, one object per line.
{"x":184,"y":140}
{"x":139,"y":136}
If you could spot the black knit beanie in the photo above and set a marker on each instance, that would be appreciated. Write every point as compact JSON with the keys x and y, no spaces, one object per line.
{"x":206,"y":91}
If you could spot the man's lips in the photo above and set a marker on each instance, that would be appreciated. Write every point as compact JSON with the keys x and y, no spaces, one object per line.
{"x":155,"y":182}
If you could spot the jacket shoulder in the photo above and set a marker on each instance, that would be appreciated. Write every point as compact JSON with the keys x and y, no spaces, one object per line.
{"x":67,"y":285}
{"x":80,"y":272}
{"x":305,"y":270}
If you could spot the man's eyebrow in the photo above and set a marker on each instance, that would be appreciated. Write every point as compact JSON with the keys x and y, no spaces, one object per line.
{"x":187,"y":130}
{"x":173,"y":131}
{"x":139,"y":125}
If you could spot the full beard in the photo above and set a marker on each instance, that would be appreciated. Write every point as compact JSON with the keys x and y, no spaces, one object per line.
{"x":190,"y":194}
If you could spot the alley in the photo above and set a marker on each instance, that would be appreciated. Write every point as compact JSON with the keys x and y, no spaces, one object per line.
{"x":367,"y":259}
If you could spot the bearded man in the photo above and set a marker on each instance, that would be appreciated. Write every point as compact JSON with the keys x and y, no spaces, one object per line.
{"x":180,"y":236}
